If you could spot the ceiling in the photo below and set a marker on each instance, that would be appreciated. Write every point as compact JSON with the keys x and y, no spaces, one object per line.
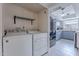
{"x":48,"y":5}
{"x":35,"y":7}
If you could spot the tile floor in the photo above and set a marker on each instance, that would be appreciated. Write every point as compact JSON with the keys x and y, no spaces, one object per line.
{"x":63,"y":47}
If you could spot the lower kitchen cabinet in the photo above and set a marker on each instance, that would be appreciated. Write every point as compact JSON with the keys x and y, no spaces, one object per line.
{"x":39,"y":44}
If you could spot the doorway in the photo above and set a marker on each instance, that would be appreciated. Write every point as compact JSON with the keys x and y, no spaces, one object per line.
{"x":63,"y":27}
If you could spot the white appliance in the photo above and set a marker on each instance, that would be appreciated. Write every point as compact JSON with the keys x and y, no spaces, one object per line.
{"x":22,"y":44}
{"x":18,"y":45}
{"x":40,"y":46}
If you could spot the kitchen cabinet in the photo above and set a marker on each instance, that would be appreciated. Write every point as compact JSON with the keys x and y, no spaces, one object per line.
{"x":58,"y":34}
{"x":20,"y":45}
{"x":39,"y":44}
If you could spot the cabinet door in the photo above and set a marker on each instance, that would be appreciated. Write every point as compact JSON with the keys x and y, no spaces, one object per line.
{"x":18,"y":46}
{"x":40,"y":44}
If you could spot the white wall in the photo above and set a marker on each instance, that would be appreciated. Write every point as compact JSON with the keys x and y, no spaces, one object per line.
{"x":10,"y":10}
{"x":43,"y":21}
{"x":0,"y":29}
